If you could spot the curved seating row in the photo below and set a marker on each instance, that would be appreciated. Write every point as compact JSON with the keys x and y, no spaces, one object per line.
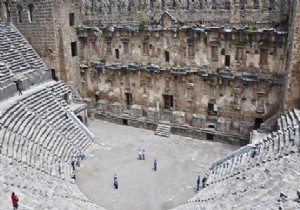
{"x":250,"y":181}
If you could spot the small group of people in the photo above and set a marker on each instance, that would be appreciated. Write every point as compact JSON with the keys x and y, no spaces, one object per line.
{"x":76,"y":163}
{"x":199,"y":182}
{"x":77,"y":160}
{"x":141,"y":154}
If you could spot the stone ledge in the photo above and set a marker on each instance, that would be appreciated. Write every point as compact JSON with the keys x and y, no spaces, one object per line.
{"x":183,"y":130}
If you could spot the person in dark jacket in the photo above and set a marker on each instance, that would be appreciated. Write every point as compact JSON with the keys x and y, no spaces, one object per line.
{"x":19,"y":87}
{"x":198,"y":183}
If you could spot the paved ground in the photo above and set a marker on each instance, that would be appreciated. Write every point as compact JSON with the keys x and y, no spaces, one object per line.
{"x":180,"y":161}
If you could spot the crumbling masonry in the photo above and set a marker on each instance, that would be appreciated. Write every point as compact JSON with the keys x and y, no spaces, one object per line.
{"x":212,"y":69}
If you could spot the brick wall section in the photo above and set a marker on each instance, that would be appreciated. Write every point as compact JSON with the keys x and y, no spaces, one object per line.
{"x":292,"y":96}
{"x":40,"y":33}
{"x":66,"y":34}
{"x":50,"y":34}
{"x":204,"y":11}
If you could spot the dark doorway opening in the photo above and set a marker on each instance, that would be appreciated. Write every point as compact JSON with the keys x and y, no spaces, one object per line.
{"x":227,"y":60}
{"x":66,"y":97}
{"x":210,"y":137}
{"x":7,"y":11}
{"x":211,"y":110}
{"x":117,"y":54}
{"x":80,"y":118}
{"x":71,"y":19}
{"x":125,"y":122}
{"x":74,"y":49}
{"x":128,"y":99}
{"x":96,"y":98}
{"x":168,"y":101}
{"x":167,"y":56}
{"x":211,"y":126}
{"x":258,"y":122}
{"x":54,"y":77}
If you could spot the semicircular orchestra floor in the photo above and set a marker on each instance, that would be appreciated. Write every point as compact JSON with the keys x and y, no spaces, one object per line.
{"x":179,"y":162}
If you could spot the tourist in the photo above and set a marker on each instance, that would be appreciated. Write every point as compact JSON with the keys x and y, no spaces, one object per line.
{"x":155,"y":164}
{"x":204,"y":182}
{"x":18,"y":83}
{"x":255,"y":151}
{"x":81,"y":155}
{"x":143,"y":154}
{"x":73,"y":176}
{"x":78,"y":161}
{"x":116,"y":182}
{"x":73,"y":164}
{"x":140,"y":154}
{"x":53,"y":91}
{"x":15,"y":200}
{"x":198,"y":183}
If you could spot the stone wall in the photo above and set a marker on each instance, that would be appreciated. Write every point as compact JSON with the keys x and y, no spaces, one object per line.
{"x":234,"y":99}
{"x":209,"y":12}
{"x":220,"y":63}
{"x":39,"y":30}
{"x":242,"y":50}
{"x":46,"y":25}
{"x":292,"y":90}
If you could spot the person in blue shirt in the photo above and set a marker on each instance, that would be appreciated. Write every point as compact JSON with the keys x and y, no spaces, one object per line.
{"x":198,"y":183}
{"x":116,"y":182}
{"x":155,"y":164}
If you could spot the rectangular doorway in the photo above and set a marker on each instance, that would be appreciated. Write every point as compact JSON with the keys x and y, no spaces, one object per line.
{"x":209,"y":137}
{"x":227,"y":60}
{"x":125,"y":121}
{"x":128,"y":100}
{"x":53,"y":74}
{"x":168,"y":101}
{"x":117,"y":54}
{"x":258,"y":122}
{"x":211,"y":109}
{"x":167,"y":56}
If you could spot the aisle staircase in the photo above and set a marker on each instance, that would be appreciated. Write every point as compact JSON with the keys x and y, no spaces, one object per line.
{"x":163,"y":130}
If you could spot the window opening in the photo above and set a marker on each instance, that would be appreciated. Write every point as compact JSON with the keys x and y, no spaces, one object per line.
{"x":167,"y":56}
{"x":74,"y":49}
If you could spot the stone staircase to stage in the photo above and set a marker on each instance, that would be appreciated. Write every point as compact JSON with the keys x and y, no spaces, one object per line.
{"x":163,"y":130}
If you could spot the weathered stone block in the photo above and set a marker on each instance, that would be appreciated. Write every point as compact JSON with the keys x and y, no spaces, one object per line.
{"x":153,"y":113}
{"x":246,"y":127}
{"x":223,"y":125}
{"x":102,"y":105}
{"x":116,"y":108}
{"x":199,"y":120}
{"x":178,"y":117}
{"x":136,"y":111}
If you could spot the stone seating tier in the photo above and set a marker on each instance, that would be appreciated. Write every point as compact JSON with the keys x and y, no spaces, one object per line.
{"x":247,"y":182}
{"x":36,"y":124}
{"x":48,"y":193}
